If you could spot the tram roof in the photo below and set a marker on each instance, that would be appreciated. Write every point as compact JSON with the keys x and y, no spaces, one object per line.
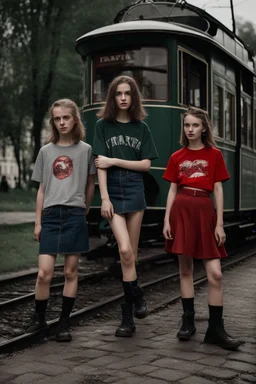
{"x":240,"y":53}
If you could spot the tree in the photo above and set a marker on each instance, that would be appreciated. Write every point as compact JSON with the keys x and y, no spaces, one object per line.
{"x":247,"y":32}
{"x":36,"y":27}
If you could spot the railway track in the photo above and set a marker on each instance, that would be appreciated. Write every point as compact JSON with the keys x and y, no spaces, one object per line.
{"x":100,"y":300}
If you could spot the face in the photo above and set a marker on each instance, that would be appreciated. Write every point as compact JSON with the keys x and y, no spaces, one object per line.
{"x":123,"y":97}
{"x":63,"y":120}
{"x":193,"y":128}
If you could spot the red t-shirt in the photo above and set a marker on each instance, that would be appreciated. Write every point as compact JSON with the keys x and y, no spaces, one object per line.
{"x":196,"y":168}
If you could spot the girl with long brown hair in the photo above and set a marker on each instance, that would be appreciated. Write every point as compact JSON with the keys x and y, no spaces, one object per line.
{"x":66,"y":172}
{"x":192,"y":229}
{"x":124,"y":148}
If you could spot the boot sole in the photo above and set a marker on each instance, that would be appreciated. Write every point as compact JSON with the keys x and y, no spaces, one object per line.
{"x":186,"y":338}
{"x":229,"y":348}
{"x":123,"y":334}
{"x":142,"y":316}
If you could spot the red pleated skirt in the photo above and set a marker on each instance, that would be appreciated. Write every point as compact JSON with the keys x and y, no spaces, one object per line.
{"x":193,"y":221}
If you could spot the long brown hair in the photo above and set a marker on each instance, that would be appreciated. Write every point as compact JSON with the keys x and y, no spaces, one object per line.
{"x":78,"y":131}
{"x":207,"y":136}
{"x":110,"y":109}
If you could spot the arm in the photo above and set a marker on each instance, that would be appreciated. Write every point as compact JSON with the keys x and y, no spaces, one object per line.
{"x":170,"y":199}
{"x":89,"y":192}
{"x":107,"y":210}
{"x":103,"y":162}
{"x":218,"y":197}
{"x":39,"y":208}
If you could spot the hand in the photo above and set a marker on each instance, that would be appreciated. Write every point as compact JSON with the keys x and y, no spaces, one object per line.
{"x":167,"y":231}
{"x":219,"y":235}
{"x":37,"y":231}
{"x":107,"y":209}
{"x":104,"y":162}
{"x":87,"y":209}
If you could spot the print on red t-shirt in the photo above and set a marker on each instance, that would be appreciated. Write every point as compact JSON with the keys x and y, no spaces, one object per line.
{"x":196,"y":168}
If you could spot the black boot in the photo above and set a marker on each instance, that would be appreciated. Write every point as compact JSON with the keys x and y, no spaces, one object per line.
{"x":127,"y":326}
{"x":37,"y":322}
{"x":188,"y":326}
{"x":217,"y":335}
{"x":63,"y":330}
{"x":140,"y":303}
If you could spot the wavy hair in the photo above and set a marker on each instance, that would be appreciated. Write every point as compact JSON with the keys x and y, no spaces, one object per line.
{"x":207,"y":136}
{"x":78,"y":131}
{"x":110,"y":109}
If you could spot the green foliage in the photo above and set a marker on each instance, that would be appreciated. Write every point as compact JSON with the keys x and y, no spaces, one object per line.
{"x":38,"y":61}
{"x":18,"y":200}
{"x":18,"y":249}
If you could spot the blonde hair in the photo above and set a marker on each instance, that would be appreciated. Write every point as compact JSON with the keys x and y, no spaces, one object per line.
{"x":78,"y":132}
{"x":207,"y":136}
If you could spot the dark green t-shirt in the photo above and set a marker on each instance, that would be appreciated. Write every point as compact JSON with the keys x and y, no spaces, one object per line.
{"x":126,"y":141}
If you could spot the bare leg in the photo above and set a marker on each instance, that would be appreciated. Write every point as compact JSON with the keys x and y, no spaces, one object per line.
{"x":71,"y":275}
{"x":186,"y":276}
{"x":119,"y":227}
{"x":134,"y":220}
{"x":214,"y":274}
{"x":45,"y":273}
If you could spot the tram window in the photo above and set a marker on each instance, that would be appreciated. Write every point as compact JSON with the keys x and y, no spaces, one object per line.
{"x":246,"y":123}
{"x":147,"y":65}
{"x":193,"y":80}
{"x":218,"y":111}
{"x":230,"y":117}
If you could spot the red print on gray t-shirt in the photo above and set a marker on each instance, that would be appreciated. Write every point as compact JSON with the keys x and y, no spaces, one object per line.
{"x":62,"y":167}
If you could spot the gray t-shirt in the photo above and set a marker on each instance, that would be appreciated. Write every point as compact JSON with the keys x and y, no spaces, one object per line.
{"x":63,"y":171}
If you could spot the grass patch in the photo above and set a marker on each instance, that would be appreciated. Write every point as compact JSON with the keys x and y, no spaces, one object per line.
{"x":18,"y":249}
{"x":18,"y":200}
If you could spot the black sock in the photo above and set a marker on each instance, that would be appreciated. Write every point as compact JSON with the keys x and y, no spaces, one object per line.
{"x":41,"y":306}
{"x":67,"y":306}
{"x":215,"y":313}
{"x":188,"y":304}
{"x":128,"y":289}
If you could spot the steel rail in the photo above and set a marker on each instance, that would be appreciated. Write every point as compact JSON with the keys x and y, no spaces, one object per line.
{"x":26,"y":339}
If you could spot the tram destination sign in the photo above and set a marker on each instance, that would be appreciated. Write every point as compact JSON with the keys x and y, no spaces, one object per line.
{"x":105,"y":60}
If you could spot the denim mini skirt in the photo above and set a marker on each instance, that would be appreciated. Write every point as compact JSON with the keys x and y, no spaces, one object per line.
{"x":64,"y":230}
{"x":126,"y":190}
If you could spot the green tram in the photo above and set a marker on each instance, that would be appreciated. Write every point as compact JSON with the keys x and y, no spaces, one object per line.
{"x":180,"y":56}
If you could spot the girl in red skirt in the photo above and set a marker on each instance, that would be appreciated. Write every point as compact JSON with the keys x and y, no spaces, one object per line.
{"x":192,"y":228}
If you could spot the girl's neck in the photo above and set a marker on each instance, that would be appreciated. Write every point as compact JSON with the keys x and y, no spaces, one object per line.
{"x":65,"y":140}
{"x":195,"y":146}
{"x":123,"y":116}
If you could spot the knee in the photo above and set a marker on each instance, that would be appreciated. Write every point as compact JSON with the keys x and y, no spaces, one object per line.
{"x":186,"y":271}
{"x":71,"y":274}
{"x":44,"y":276}
{"x":126,"y":255}
{"x":215,"y":278}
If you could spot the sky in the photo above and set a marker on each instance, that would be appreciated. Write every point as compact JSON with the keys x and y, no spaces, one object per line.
{"x":220,"y":9}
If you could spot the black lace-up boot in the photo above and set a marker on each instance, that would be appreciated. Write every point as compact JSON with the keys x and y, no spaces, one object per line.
{"x":140,"y":303}
{"x":217,"y":335}
{"x":63,"y":330}
{"x":188,"y":326}
{"x":127,"y":326}
{"x":37,"y":322}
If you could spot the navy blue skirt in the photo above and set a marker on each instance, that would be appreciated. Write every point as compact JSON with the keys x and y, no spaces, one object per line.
{"x":126,"y":190}
{"x":64,"y":230}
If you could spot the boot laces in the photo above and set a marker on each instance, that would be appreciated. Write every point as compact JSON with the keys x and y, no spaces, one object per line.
{"x":185,"y":322}
{"x":126,"y":318}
